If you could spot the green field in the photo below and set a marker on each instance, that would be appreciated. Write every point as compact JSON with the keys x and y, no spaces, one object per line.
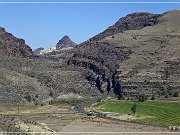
{"x":158,"y":113}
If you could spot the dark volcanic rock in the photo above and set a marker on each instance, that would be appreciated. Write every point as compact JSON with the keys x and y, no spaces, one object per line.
{"x":13,"y":46}
{"x":134,"y":21}
{"x":101,"y":58}
{"x":65,"y":42}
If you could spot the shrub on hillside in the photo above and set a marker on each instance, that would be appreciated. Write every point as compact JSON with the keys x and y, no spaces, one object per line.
{"x":28,"y":97}
{"x":51,"y":94}
{"x":142,"y":97}
{"x":153,"y":97}
{"x":176,"y":94}
{"x":133,"y":108}
{"x":166,"y":96}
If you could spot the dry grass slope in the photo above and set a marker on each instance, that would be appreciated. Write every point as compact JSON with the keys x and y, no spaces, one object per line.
{"x":155,"y":56}
{"x":22,"y":77}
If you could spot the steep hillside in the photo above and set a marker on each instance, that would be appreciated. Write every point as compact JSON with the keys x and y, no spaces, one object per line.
{"x":39,"y":78}
{"x":143,"y":60}
{"x":36,"y":78}
{"x":13,"y":46}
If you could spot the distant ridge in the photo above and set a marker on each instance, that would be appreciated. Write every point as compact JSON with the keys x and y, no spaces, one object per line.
{"x":65,"y":43}
{"x":134,"y":21}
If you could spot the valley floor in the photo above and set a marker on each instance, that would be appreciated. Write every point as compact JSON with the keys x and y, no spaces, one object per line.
{"x":60,"y":119}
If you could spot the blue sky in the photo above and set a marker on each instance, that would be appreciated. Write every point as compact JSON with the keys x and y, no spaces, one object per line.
{"x":44,"y":24}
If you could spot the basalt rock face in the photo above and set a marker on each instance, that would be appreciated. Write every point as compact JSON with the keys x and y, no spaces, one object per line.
{"x":142,"y":59}
{"x":65,"y":42}
{"x":134,"y":21}
{"x":101,"y":59}
{"x":12,"y":46}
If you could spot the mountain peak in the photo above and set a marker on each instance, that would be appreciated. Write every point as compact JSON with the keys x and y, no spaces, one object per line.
{"x":65,"y":38}
{"x":65,"y":42}
{"x":13,"y":46}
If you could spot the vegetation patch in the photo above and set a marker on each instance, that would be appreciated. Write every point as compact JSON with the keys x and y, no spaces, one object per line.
{"x":71,"y":102}
{"x":157,"y":113}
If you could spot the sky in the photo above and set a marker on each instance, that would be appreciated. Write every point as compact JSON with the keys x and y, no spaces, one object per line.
{"x":44,"y":24}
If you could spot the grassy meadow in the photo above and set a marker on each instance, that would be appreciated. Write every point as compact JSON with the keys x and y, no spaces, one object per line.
{"x":157,"y":113}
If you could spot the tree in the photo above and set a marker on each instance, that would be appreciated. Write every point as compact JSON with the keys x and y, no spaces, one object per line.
{"x":153,"y":97}
{"x":142,"y":97}
{"x":176,"y":94}
{"x":166,"y":96}
{"x":28,"y":97}
{"x":51,"y":94}
{"x":133,"y":108}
